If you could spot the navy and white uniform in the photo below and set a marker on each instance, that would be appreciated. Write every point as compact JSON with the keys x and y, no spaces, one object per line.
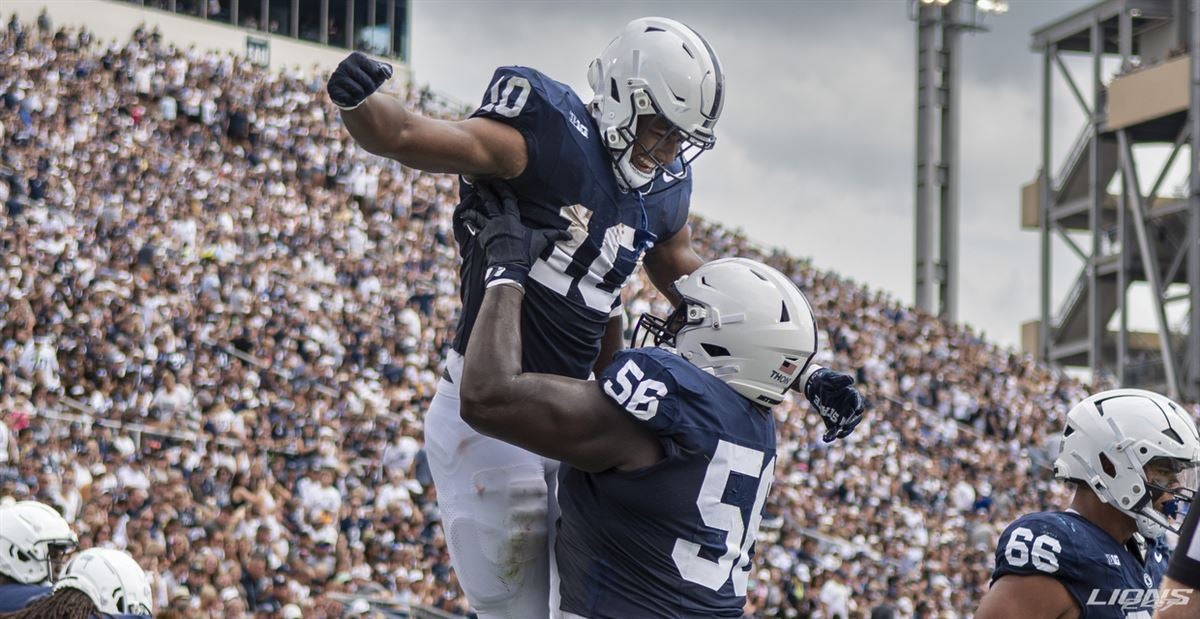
{"x":496,"y":500}
{"x":1107,"y":579}
{"x":567,"y":184}
{"x":674,"y":540}
{"x":16,"y":596}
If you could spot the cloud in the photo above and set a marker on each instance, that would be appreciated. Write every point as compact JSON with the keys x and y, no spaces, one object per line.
{"x":815,"y":148}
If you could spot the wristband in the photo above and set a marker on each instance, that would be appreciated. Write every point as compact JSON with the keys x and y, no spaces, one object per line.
{"x":514,"y":274}
{"x":505,"y":282}
{"x":345,"y":108}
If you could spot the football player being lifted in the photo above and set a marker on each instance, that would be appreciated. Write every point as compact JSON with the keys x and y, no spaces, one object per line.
{"x":613,"y":175}
{"x":668,"y":457}
{"x":1126,"y":451}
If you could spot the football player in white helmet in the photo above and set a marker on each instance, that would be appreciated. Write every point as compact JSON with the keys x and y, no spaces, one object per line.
{"x":653,"y":524}
{"x":35,"y":540}
{"x":617,"y":164}
{"x":1128,"y":452}
{"x":614,"y":174}
{"x":661,"y":77}
{"x":96,"y":582}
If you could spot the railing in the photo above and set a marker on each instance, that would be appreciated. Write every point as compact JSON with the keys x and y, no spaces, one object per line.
{"x":426,"y":612}
{"x":88,"y":416}
{"x":391,"y":609}
{"x":1071,"y":300}
{"x":1077,"y":151}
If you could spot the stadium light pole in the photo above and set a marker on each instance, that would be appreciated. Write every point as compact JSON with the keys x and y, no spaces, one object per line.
{"x":940,"y":24}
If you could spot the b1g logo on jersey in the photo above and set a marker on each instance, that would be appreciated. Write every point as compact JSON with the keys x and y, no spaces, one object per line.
{"x":579,"y":126}
{"x":1138,"y":603}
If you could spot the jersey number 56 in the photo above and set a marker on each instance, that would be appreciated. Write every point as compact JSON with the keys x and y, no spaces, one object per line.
{"x":739,"y":535}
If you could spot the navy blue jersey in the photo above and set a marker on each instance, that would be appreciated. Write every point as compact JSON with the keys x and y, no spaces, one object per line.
{"x":568,"y":184}
{"x":675,"y":539}
{"x":1107,"y":579}
{"x":17,"y":596}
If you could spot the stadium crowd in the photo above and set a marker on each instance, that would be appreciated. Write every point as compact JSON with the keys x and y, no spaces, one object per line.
{"x":221,"y":323}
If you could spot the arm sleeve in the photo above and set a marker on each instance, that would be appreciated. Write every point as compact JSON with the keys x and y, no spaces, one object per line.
{"x":676,"y":217}
{"x":514,"y":97}
{"x":1034,"y":545}
{"x":640,"y":384}
{"x":1044,"y":545}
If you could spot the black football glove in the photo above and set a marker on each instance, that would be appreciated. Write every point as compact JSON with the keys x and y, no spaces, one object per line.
{"x":840,"y":405}
{"x":355,"y":79}
{"x":510,"y":246}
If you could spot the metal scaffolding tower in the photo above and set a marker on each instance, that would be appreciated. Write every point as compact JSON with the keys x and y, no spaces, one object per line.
{"x":938,"y":44}
{"x":940,"y":24}
{"x":1137,"y":234}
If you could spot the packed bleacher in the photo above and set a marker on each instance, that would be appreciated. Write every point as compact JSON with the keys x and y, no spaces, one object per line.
{"x":221,"y":323}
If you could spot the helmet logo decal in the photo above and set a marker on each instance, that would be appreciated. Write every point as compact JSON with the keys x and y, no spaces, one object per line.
{"x":786,"y":372}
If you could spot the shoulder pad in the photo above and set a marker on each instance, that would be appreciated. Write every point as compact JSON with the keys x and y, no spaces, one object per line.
{"x":514,"y":93}
{"x":1044,"y":543}
{"x":647,"y":383}
{"x":553,"y":121}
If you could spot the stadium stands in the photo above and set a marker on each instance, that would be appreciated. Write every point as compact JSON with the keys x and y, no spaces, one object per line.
{"x":221,"y":324}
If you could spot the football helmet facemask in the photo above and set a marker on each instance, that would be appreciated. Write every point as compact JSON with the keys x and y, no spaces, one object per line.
{"x":656,"y":68}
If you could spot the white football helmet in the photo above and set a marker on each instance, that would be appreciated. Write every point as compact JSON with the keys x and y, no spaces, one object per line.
{"x":1110,"y":438}
{"x":743,"y":322}
{"x":34,"y":538}
{"x":115,"y":582}
{"x":656,"y":67}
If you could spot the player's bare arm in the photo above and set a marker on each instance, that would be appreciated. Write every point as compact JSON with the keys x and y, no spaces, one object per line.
{"x":1173,"y":589}
{"x":612,"y":341}
{"x":670,"y":260}
{"x":557,"y":417}
{"x":1028,"y":597}
{"x":383,"y":126}
{"x":553,"y":416}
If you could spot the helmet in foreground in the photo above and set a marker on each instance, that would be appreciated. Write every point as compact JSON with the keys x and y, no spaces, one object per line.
{"x":115,"y":582}
{"x":656,"y":67}
{"x":33,"y":539}
{"x":742,"y":321}
{"x":1110,"y":440}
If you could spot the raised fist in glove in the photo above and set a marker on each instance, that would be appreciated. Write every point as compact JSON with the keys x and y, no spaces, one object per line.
{"x":840,"y":405}
{"x":510,"y":246}
{"x":355,"y":79}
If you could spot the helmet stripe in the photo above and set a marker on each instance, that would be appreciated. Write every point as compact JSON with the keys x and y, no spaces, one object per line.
{"x":715,"y":110}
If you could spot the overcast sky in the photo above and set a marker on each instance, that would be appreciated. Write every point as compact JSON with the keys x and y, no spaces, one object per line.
{"x":815,"y":147}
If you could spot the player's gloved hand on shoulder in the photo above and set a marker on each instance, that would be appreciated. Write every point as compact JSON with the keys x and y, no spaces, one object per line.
{"x":511,"y":247}
{"x":356,"y":78}
{"x":840,"y":405}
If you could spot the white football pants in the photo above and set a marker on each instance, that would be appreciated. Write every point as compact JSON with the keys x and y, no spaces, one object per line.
{"x":498,"y":510}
